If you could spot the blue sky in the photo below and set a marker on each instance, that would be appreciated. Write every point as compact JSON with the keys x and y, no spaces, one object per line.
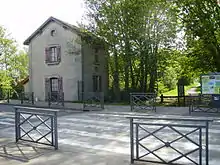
{"x":22,"y":17}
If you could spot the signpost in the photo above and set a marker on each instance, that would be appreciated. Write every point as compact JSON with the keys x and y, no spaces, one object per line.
{"x":210,"y":83}
{"x":209,"y":100}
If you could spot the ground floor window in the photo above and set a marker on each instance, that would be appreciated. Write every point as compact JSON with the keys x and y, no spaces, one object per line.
{"x":97,"y":83}
{"x":53,"y":87}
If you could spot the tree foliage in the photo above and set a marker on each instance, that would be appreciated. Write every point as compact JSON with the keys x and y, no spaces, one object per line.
{"x":13,"y":64}
{"x":201,"y":22}
{"x":135,"y":31}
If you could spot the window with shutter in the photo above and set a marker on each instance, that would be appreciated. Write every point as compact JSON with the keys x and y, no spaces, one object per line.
{"x":97,"y":83}
{"x":53,"y":54}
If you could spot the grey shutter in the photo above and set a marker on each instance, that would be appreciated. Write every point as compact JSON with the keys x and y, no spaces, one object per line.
{"x":47,"y":54}
{"x":60,"y":88}
{"x":47,"y":88}
{"x":58,"y":53}
{"x":100,"y":83}
{"x":94,"y":81}
{"x":60,"y":84}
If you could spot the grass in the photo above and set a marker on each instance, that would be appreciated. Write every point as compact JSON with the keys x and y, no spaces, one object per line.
{"x":174,"y":91}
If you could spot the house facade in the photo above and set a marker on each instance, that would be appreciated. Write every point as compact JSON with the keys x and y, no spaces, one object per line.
{"x":61,"y":61}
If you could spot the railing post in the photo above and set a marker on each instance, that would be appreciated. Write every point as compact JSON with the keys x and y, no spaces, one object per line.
{"x":190,"y":103}
{"x":84,"y":101}
{"x":184,"y":100}
{"x":32,"y":98}
{"x":154,"y":102}
{"x":132,"y":140}
{"x":17,"y":125}
{"x":207,"y":143}
{"x":8,"y":96}
{"x":62,"y":97}
{"x":21,"y":97}
{"x":200,"y":146}
{"x":161,"y":98}
{"x":52,"y":130}
{"x":49,"y":101}
{"x":137,"y":141}
{"x":55,"y":131}
{"x":103,"y":99}
{"x":131,"y":101}
{"x":178,"y":97}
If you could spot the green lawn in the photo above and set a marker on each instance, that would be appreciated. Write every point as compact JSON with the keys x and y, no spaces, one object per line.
{"x":174,"y":91}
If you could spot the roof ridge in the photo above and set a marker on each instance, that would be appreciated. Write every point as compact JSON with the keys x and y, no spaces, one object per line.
{"x":51,"y":18}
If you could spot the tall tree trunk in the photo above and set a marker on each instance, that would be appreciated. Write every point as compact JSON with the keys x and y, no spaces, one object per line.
{"x":116,"y":87}
{"x":126,"y":68}
{"x":132,"y":75}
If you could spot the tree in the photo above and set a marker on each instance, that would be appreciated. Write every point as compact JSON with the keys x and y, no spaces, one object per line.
{"x":7,"y":49}
{"x":14,"y":64}
{"x":201,"y":21}
{"x":135,"y":30}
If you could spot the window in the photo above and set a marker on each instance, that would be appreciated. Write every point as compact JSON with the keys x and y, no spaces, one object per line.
{"x":52,"y":33}
{"x":54,"y":85}
{"x":96,"y":58}
{"x":97,"y":83}
{"x":53,"y":54}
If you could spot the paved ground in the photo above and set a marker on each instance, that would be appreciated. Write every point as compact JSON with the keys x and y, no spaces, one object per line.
{"x":192,"y":91}
{"x":89,"y":138}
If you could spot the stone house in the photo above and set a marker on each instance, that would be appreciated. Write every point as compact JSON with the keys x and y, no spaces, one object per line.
{"x":63,"y":59}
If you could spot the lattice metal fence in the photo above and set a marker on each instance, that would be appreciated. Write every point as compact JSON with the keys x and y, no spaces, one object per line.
{"x":93,"y":101}
{"x":27,"y":97}
{"x":143,"y":101}
{"x":36,"y":125}
{"x":166,"y":140}
{"x":205,"y":103}
{"x":56,"y":99}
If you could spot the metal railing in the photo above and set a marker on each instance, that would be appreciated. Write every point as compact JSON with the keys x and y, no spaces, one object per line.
{"x":143,"y":101}
{"x":36,"y":125}
{"x":205,"y":103}
{"x":27,"y":97}
{"x":155,"y":137}
{"x":56,"y":98}
{"x":93,"y":100}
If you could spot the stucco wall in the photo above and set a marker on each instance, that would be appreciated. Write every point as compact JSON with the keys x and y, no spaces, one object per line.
{"x":70,"y":68}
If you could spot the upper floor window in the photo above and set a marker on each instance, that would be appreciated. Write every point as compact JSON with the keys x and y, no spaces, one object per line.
{"x":96,"y":58}
{"x":52,"y":33}
{"x":53,"y":55}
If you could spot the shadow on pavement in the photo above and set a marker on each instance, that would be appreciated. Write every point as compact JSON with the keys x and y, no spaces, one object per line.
{"x":22,"y":151}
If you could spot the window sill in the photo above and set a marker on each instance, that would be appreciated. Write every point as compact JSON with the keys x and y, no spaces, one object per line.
{"x":96,"y":63}
{"x":53,"y":63}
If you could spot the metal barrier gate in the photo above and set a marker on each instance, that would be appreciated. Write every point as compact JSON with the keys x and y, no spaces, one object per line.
{"x":143,"y":101}
{"x":93,"y":101}
{"x":56,"y":99}
{"x":205,"y":103}
{"x":151,"y":140}
{"x":27,"y":97}
{"x":35,"y":125}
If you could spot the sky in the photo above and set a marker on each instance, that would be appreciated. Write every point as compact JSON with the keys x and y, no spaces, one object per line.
{"x":22,"y":17}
